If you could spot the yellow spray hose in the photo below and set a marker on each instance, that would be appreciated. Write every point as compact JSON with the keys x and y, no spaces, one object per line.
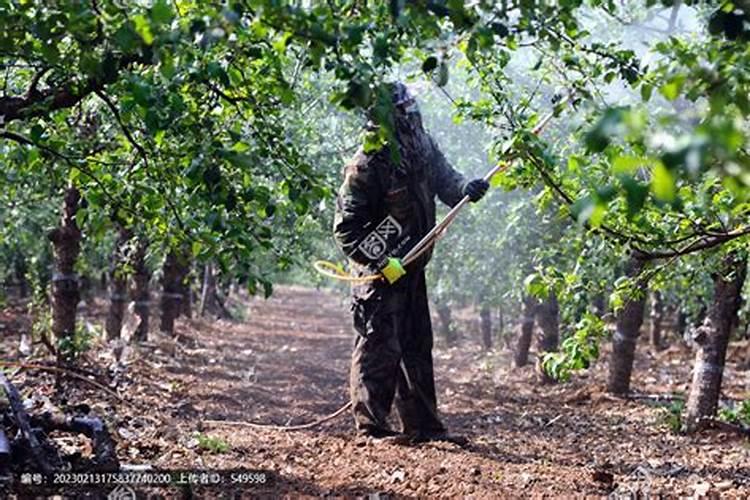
{"x":337,"y":271}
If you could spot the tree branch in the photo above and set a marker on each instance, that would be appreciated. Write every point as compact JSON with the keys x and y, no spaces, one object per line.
{"x":34,"y":82}
{"x":36,"y":104}
{"x":703,"y":244}
{"x":77,"y":163}
{"x":128,"y":135}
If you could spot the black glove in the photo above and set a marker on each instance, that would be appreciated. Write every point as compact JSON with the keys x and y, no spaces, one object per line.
{"x":475,"y":189}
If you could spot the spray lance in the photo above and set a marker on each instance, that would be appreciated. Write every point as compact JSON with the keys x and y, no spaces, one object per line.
{"x":336,"y":271}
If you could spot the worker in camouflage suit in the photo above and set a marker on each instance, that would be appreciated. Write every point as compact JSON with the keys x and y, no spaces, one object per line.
{"x":383,"y":209}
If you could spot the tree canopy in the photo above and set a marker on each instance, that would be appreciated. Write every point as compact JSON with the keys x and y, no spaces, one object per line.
{"x":205,"y":125}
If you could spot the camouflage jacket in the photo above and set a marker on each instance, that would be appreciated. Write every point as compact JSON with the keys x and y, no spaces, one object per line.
{"x":383,"y":209}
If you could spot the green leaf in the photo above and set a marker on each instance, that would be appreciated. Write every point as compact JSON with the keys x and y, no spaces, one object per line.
{"x":625,"y":164}
{"x":242,"y":161}
{"x":670,"y":91}
{"x":574,"y":164}
{"x":381,"y":46}
{"x":81,"y":217}
{"x":143,"y":28}
{"x":496,"y":180}
{"x":36,"y":133}
{"x":663,"y":182}
{"x":606,"y":194}
{"x":534,"y":286}
{"x":166,"y":66}
{"x":635,"y":193}
{"x":161,"y":12}
{"x":743,"y":103}
{"x":599,"y":137}
{"x":215,"y":70}
{"x":126,"y":38}
{"x":672,"y":88}
{"x":89,"y":64}
{"x":280,"y":43}
{"x":646,"y":91}
{"x":582,"y":209}
{"x":153,"y":124}
{"x":74,"y":174}
{"x":196,"y":248}
{"x":597,"y":214}
{"x":358,"y":94}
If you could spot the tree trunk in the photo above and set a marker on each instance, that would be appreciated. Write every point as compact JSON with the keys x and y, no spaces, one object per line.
{"x":712,"y":339}
{"x":445,"y":329}
{"x":220,"y":299}
{"x":187,"y":304}
{"x":507,"y":339}
{"x":118,"y":285}
{"x":500,"y":320}
{"x":657,"y":319}
{"x":521,"y":356}
{"x":208,"y":288}
{"x":19,"y":270}
{"x":186,"y":307}
{"x":548,"y":319}
{"x":628,"y":327}
{"x":736,"y":315}
{"x":174,"y":271}
{"x":702,"y":313}
{"x":86,"y":289}
{"x":600,"y":305}
{"x":485,"y":321}
{"x":681,"y":322}
{"x":66,"y":243}
{"x":139,"y":293}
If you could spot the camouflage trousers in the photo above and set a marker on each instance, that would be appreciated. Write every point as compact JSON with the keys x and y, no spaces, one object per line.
{"x":394,"y":335}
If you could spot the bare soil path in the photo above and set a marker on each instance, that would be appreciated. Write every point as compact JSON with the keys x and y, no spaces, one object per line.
{"x":286,"y":362}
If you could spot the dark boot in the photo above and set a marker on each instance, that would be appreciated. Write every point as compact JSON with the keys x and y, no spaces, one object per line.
{"x":439,"y":436}
{"x":383,"y":435}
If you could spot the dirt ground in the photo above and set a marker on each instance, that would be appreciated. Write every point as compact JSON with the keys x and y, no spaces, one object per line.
{"x":285,"y":361}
